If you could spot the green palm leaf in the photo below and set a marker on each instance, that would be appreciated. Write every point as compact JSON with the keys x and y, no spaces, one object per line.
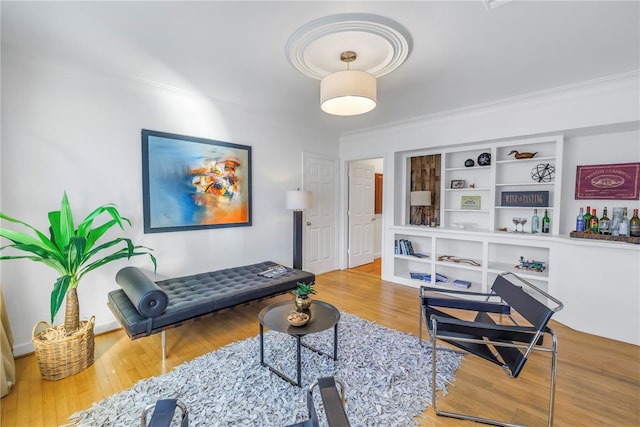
{"x":66,"y":228}
{"x":60,"y":288}
{"x":18,"y":237}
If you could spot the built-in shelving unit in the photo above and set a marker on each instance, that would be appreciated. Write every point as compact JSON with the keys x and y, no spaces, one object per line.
{"x":477,"y":257}
{"x":471,"y":243}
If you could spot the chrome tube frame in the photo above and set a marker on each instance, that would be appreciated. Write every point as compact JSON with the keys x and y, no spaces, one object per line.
{"x":179,"y":404}
{"x":553,"y":349}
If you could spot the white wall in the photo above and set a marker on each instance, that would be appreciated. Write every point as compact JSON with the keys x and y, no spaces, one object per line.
{"x":64,"y":129}
{"x":600,"y":122}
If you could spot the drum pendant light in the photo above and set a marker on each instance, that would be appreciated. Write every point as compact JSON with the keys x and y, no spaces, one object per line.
{"x":349,"y":92}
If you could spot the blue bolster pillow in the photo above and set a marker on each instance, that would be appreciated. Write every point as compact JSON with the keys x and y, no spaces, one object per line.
{"x":146,"y":296}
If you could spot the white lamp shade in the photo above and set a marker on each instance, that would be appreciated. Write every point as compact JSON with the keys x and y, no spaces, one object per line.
{"x":299,"y":200}
{"x":348,"y":93}
{"x":421,"y":198}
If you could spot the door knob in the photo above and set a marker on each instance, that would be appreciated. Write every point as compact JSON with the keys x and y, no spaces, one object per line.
{"x":308,"y":223}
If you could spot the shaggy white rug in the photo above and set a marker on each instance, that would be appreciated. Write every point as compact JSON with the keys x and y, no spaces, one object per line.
{"x":387,"y":376}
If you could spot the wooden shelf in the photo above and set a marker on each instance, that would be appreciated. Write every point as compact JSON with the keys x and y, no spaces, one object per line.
{"x":605,"y":237}
{"x":533,"y":159}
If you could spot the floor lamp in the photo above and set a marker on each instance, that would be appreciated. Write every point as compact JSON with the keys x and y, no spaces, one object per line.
{"x":298,"y":201}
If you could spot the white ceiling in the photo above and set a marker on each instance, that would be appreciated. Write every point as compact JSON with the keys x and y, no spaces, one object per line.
{"x":463,"y":53}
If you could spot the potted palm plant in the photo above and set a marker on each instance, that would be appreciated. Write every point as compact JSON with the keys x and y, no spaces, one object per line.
{"x":72,"y":251}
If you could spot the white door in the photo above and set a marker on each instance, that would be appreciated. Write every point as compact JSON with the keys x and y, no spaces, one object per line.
{"x":361,"y":217}
{"x":320,"y":221}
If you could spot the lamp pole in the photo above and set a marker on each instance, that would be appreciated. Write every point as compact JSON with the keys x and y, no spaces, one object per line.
{"x":297,"y":239}
{"x":298,"y":201}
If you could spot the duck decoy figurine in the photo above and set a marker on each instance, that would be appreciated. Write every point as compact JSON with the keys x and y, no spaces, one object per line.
{"x":525,"y":155}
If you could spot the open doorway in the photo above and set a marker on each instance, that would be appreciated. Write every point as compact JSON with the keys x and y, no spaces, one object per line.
{"x":365,"y":215}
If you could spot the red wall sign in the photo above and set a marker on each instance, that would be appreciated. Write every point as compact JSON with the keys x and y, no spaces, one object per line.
{"x":608,"y":182}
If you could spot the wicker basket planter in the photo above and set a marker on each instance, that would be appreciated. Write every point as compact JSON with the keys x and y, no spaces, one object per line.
{"x":60,"y":356}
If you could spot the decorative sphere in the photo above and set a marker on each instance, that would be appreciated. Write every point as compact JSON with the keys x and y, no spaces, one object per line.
{"x":543,"y":172}
{"x":469,"y":163}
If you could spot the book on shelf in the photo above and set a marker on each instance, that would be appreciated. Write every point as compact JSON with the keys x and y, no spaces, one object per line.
{"x":464,"y":284}
{"x":427,"y":277}
{"x":404,"y":247}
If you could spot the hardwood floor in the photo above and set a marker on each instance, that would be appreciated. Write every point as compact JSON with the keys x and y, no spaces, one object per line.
{"x":598,"y":381}
{"x":373,"y":268}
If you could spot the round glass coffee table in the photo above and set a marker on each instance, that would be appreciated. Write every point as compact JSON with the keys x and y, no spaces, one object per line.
{"x":322,"y":317}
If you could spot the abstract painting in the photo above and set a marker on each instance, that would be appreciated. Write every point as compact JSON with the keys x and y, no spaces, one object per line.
{"x":192,"y":183}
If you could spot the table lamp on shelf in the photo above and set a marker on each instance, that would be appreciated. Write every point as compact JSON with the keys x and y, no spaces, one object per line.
{"x":420,"y":199}
{"x":298,"y":201}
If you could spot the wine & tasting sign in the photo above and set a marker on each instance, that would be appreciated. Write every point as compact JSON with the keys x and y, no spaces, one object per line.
{"x":608,"y":182}
{"x":534,"y":199}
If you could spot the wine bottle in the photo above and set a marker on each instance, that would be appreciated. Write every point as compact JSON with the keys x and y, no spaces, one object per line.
{"x":623,"y":230}
{"x":593,"y":222}
{"x":603,"y":223}
{"x":634,"y":225}
{"x":587,"y":218}
{"x":580,"y":221}
{"x":545,"y":222}
{"x":535,"y":222}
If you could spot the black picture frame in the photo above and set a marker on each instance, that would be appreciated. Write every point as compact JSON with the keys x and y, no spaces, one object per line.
{"x":458,"y":183}
{"x":191,"y":183}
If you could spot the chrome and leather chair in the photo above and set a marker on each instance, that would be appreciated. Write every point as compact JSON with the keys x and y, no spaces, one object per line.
{"x":163,"y":413}
{"x":509,"y":323}
{"x":333,"y":401}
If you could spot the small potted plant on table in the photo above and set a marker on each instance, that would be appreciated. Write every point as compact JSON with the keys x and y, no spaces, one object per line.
{"x":72,"y":251}
{"x":302,"y":293}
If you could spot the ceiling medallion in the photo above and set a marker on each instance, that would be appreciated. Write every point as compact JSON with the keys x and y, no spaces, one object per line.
{"x":381,"y":43}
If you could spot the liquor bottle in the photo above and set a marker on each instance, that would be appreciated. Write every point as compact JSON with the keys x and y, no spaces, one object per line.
{"x":623,"y":230}
{"x":634,"y":225}
{"x":535,"y":222}
{"x":580,"y":221}
{"x":587,"y":218}
{"x":545,"y":222}
{"x":593,"y":222}
{"x":603,"y":224}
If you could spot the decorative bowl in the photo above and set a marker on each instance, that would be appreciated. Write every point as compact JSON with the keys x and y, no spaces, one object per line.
{"x":297,"y":318}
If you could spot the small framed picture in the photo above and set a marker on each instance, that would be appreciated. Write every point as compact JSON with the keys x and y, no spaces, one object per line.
{"x":457,"y":183}
{"x":470,"y":202}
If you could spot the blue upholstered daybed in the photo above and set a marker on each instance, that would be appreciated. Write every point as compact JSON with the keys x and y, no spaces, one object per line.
{"x":143,"y":307}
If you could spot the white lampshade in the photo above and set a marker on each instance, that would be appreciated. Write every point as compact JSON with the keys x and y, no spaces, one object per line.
{"x":299,"y":200}
{"x":421,"y":198}
{"x":348,"y":93}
